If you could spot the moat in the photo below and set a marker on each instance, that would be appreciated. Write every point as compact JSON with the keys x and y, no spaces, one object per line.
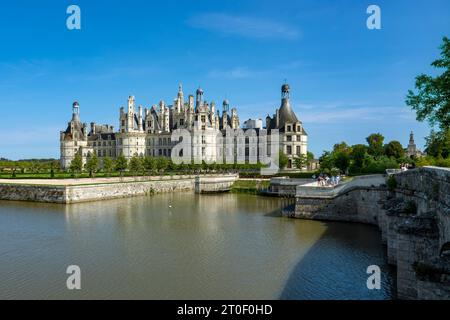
{"x":185,"y":246}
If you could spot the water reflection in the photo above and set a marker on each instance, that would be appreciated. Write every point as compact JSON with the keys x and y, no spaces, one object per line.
{"x":179,"y":246}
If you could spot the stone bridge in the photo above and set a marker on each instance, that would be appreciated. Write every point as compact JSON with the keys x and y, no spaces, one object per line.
{"x":412,"y":210}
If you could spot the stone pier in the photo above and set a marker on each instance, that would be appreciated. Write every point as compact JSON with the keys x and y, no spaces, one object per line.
{"x":84,"y":190}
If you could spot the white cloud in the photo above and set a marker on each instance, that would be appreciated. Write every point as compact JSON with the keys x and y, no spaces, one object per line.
{"x":244,"y":26}
{"x":235,"y":73}
{"x":334,"y":112}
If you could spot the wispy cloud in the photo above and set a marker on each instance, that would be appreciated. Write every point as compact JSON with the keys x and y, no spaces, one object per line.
{"x":235,"y":73}
{"x":244,"y":26}
{"x":244,"y":72}
{"x":343,"y":114}
{"x":336,"y":112}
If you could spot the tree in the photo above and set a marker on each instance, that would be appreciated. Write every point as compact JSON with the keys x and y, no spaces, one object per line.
{"x":394,"y":149}
{"x":341,"y":147}
{"x":162,"y":163}
{"x":376,"y":144}
{"x":52,"y":170}
{"x":283,"y":160}
{"x":301,"y":161}
{"x":121,"y":164}
{"x":438,"y":144}
{"x":108,"y":165}
{"x":136,"y":165}
{"x":150,"y":164}
{"x":341,"y":160}
{"x":77,"y":164}
{"x":432,"y":101}
{"x":92,"y":164}
{"x":326,"y":161}
{"x":358,"y":155}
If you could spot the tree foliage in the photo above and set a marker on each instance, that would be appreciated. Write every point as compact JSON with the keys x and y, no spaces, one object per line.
{"x":283,"y":160}
{"x":76,"y":166}
{"x":121,"y":164}
{"x":136,"y":164}
{"x":92,"y":164}
{"x":376,"y":144}
{"x":432,"y":100}
{"x":394,"y":149}
{"x":108,"y":165}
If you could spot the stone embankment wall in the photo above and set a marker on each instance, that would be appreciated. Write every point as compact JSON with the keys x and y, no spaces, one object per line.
{"x":205,"y":184}
{"x":68,"y":193}
{"x":413,"y":215}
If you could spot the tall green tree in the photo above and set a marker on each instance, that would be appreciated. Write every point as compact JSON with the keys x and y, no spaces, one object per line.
{"x":376,"y":144}
{"x":432,"y":100}
{"x":136,"y":165}
{"x":121,"y":164}
{"x":76,"y":166}
{"x":150,"y":164}
{"x":438,"y":144}
{"x":301,"y":161}
{"x":326,"y":161}
{"x":108,"y":165}
{"x":162,"y":163}
{"x":283,"y":159}
{"x":394,"y":149}
{"x":341,"y":160}
{"x":358,"y":155}
{"x":92,"y":164}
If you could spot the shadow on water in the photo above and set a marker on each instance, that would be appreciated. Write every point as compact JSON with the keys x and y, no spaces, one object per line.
{"x":335,"y":267}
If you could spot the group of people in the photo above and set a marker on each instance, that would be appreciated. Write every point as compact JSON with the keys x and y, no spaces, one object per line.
{"x":323,"y":180}
{"x":406,"y":166}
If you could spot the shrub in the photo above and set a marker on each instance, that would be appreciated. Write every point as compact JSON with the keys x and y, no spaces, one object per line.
{"x":392,"y":183}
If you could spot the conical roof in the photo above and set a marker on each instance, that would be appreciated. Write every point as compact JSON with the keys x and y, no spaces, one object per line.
{"x":286,"y":114}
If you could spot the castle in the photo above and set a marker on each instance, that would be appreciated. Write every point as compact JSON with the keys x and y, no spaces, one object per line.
{"x":148,"y":132}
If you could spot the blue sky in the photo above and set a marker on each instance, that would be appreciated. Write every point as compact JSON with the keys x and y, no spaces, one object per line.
{"x":347,"y":81}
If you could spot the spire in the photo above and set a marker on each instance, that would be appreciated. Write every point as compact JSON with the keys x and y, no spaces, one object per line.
{"x":285,"y":91}
{"x":75,"y":111}
{"x":76,"y":108}
{"x":199,"y":101}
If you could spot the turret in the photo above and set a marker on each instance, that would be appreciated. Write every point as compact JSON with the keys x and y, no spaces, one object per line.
{"x":140,"y":120}
{"x":199,"y":100}
{"x":130,"y":122}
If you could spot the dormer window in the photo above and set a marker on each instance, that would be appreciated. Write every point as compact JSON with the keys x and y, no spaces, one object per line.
{"x":288,"y":128}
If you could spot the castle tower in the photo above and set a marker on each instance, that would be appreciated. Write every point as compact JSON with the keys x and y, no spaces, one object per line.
{"x":74,"y":139}
{"x":411,"y":151}
{"x":180,"y":98}
{"x":225,"y":111}
{"x":130,"y":118}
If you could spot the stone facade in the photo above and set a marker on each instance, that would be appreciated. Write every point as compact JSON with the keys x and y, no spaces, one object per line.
{"x":148,"y":132}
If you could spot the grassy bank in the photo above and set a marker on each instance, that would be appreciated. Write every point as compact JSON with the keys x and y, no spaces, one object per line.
{"x":249,"y":186}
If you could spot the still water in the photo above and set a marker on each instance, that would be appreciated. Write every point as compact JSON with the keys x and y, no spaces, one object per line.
{"x":184,"y":246}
